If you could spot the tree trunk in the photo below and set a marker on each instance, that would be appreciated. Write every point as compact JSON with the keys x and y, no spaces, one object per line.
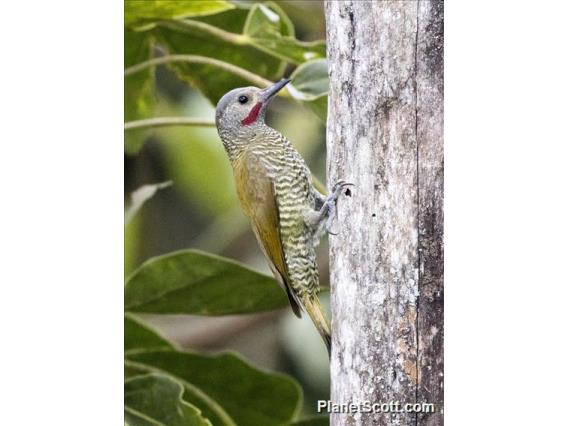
{"x":385,"y":135}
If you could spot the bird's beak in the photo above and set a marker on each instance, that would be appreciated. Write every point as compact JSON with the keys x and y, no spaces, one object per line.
{"x":270,"y":91}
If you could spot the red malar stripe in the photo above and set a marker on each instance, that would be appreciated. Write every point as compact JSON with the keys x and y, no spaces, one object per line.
{"x":253,"y":115}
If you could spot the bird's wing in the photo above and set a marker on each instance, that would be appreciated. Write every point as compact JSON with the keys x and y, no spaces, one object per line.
{"x":258,"y":200}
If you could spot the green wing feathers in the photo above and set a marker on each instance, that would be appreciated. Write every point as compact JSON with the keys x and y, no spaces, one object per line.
{"x":256,"y":193}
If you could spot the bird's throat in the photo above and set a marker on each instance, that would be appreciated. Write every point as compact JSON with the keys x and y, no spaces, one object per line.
{"x":253,"y":115}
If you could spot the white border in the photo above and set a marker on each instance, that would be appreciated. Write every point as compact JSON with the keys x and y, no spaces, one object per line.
{"x":506,"y":212}
{"x":61,"y":218}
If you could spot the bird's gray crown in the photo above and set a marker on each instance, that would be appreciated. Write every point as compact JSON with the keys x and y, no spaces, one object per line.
{"x":229,"y":102}
{"x":245,"y":106}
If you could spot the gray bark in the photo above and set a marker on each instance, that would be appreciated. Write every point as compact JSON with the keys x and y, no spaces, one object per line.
{"x":385,"y":135}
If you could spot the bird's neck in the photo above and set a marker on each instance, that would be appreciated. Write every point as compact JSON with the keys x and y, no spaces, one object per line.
{"x":250,"y":137}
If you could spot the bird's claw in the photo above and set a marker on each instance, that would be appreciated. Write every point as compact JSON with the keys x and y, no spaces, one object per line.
{"x":339,"y":185}
{"x":329,"y":207}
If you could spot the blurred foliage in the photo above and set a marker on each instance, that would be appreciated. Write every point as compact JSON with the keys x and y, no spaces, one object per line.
{"x":313,"y":421}
{"x":193,"y":282}
{"x":157,"y":399}
{"x":138,"y":93}
{"x":140,"y":196}
{"x":131,"y":243}
{"x":258,"y":39}
{"x":269,"y":29}
{"x":138,"y":335}
{"x":140,"y":14}
{"x":225,"y":388}
{"x":311,"y":85}
{"x":214,"y":46}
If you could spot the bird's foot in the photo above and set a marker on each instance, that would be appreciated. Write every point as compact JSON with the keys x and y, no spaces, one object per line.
{"x":321,"y":220}
{"x":337,"y":189}
{"x":330,"y":205}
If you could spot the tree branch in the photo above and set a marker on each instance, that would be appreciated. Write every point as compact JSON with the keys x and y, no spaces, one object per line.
{"x":195,"y":59}
{"x":168,"y":121}
{"x":237,"y":39}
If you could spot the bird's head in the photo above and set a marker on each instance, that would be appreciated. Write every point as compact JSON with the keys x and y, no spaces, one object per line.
{"x":242,"y":109}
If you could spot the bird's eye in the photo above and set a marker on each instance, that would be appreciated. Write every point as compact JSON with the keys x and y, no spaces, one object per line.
{"x":243,"y":99}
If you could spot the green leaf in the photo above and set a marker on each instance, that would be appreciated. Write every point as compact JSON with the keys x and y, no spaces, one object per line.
{"x":313,"y":421}
{"x":250,"y":397}
{"x":138,"y":88}
{"x":138,"y":335}
{"x":310,"y":84}
{"x":140,"y":196}
{"x":213,"y":82}
{"x":145,"y":13}
{"x":268,"y":20}
{"x":290,"y":49}
{"x":269,"y":29}
{"x":156,"y":399}
{"x":311,"y":80}
{"x":194,"y":282}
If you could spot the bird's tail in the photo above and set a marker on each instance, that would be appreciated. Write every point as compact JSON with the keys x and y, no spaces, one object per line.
{"x":316,"y":313}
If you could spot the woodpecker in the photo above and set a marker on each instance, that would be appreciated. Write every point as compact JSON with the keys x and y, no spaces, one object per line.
{"x":274,"y":185}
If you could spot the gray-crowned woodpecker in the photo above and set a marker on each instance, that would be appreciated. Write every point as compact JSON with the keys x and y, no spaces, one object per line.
{"x":288,"y":215}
